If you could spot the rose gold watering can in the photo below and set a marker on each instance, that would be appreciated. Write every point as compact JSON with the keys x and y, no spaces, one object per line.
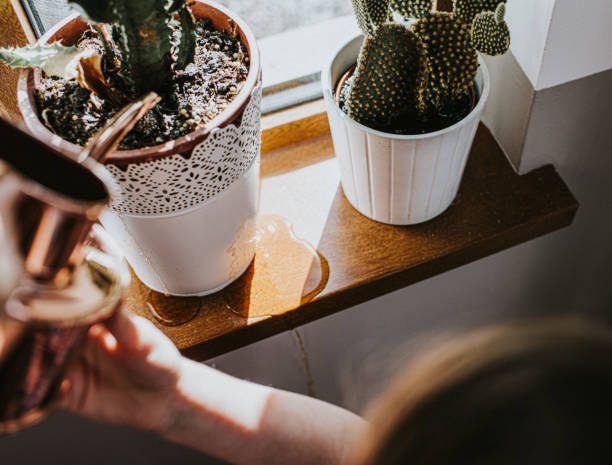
{"x":59,"y":273}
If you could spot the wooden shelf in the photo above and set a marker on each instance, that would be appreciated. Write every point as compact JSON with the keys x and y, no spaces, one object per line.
{"x":356,"y":259}
{"x":290,"y":283}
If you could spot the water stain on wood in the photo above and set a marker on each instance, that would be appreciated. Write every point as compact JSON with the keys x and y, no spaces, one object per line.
{"x":285,"y":273}
{"x":173,"y":311}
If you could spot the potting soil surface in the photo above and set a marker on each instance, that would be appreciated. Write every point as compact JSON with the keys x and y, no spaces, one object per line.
{"x":198,"y":94}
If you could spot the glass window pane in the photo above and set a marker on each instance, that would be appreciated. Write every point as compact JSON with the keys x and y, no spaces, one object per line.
{"x":266,"y":17}
{"x":269,"y":17}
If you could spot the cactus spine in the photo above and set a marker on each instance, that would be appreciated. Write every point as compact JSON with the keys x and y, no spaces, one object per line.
{"x":425,"y":66}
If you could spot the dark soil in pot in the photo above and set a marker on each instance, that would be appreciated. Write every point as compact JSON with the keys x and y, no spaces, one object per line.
{"x":410,"y":122}
{"x":198,"y":94}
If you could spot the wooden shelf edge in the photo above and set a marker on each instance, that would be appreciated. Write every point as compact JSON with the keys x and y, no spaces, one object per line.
{"x":382,"y":285}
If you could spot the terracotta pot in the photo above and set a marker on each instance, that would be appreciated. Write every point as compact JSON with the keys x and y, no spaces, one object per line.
{"x":185,"y":217}
{"x":398,"y":179}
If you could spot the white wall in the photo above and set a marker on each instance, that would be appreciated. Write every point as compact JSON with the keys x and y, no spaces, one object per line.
{"x":579,"y":41}
{"x":529,"y":23}
{"x":558,"y":41}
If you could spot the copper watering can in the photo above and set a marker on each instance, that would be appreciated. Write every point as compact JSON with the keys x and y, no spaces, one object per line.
{"x":59,"y":272}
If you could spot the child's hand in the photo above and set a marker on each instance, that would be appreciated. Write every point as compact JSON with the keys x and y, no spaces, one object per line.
{"x":126,"y":374}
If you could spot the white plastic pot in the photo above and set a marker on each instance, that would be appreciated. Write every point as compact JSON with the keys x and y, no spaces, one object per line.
{"x":396,"y":179}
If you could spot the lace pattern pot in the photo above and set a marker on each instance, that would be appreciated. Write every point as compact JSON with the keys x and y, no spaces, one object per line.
{"x":186,"y":213}
{"x":398,"y":179}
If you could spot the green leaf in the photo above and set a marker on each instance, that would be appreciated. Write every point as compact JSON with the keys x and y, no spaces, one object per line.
{"x":186,"y":48}
{"x":54,"y":59}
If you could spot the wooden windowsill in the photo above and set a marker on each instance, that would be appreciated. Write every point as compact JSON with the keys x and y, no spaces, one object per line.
{"x":356,"y":259}
{"x":327,"y":257}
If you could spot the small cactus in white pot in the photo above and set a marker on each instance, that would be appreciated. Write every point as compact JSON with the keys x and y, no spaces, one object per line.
{"x":404,"y":101}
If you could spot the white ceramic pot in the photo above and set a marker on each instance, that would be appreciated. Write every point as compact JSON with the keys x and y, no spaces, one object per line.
{"x":186,"y":213}
{"x":196,"y":251}
{"x":395,"y":179}
{"x":187,"y":225}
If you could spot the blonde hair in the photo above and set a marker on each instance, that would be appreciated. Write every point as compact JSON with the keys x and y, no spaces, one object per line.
{"x":531,"y":393}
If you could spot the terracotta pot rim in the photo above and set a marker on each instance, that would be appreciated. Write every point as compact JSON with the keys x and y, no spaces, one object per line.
{"x":183,"y":144}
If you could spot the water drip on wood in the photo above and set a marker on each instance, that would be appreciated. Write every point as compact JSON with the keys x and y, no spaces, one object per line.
{"x":287,"y":272}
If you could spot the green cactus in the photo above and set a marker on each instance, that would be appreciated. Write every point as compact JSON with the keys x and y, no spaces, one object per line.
{"x":370,"y":14}
{"x":490,"y":32}
{"x":184,"y":49}
{"x":467,"y":10}
{"x":390,"y":64}
{"x":452,"y":58}
{"x":412,"y":8}
{"x":425,"y":67}
{"x":144,"y":31}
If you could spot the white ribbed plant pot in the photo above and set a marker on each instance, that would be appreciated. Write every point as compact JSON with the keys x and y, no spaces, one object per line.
{"x":395,"y":179}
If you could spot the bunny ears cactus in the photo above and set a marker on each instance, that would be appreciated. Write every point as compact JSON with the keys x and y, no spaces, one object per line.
{"x":490,"y":34}
{"x":467,"y":10}
{"x":425,"y":65}
{"x":412,"y":8}
{"x":383,"y":90}
{"x":452,"y":58}
{"x":370,"y":14}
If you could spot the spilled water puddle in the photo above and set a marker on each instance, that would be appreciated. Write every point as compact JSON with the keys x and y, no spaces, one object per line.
{"x":173,"y":311}
{"x":286,"y":273}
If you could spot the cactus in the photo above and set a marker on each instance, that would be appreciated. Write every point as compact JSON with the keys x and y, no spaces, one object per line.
{"x":422,"y":68}
{"x":370,"y":14}
{"x":143,"y":30}
{"x":412,"y":9}
{"x":390,"y":64}
{"x":490,"y":32}
{"x":452,"y":58}
{"x":467,"y":10}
